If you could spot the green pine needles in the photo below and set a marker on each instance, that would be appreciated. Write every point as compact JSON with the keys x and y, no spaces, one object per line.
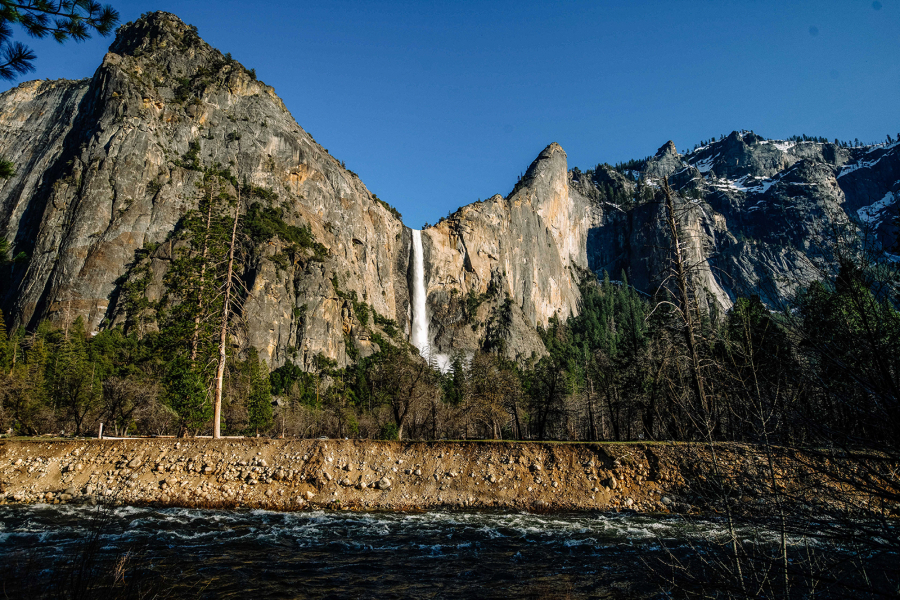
{"x":62,"y":20}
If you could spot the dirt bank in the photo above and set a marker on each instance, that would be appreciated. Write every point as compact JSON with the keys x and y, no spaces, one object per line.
{"x":372,"y":475}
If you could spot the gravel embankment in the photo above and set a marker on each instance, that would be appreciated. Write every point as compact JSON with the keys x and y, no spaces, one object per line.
{"x":366,"y":475}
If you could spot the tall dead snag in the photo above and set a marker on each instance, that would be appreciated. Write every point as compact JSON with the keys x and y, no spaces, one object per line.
{"x":683,"y":285}
{"x":223,"y":331}
{"x":687,"y":307}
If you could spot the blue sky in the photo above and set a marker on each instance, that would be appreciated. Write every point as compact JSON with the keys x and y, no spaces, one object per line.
{"x":438,"y":104}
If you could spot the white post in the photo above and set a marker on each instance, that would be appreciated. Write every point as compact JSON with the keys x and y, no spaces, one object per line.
{"x":100,"y":435}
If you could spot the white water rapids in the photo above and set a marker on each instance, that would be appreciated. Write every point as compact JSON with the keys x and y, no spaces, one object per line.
{"x":334,"y":554}
{"x":419,"y":332}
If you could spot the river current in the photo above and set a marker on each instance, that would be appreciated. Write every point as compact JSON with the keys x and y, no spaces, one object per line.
{"x":342,"y":554}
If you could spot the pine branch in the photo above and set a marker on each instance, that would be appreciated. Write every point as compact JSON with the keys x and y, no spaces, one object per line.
{"x":63,"y":20}
{"x":17,"y":59}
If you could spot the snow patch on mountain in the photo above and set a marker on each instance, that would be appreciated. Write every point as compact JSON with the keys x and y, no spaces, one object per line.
{"x":883,"y":146}
{"x":868,"y":164}
{"x":747,"y":184}
{"x":874,"y":214}
{"x":705,"y":165}
{"x":781,"y":144}
{"x":863,"y":164}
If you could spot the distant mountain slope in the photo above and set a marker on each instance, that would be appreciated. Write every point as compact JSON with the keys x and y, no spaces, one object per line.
{"x":764,"y":207}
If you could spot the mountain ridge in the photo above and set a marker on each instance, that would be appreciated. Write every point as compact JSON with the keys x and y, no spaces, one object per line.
{"x":107,"y":166}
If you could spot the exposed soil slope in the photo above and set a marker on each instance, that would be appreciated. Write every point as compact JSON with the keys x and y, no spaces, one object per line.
{"x":290,"y":475}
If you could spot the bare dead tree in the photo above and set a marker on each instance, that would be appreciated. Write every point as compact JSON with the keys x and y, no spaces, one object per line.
{"x":223,"y":331}
{"x":195,"y":338}
{"x":687,"y":311}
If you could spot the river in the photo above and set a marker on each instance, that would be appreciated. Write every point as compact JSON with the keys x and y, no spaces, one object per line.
{"x":342,"y":554}
{"x":323,"y":554}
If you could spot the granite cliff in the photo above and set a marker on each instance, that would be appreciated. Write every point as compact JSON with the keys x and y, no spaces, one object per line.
{"x":498,"y":269}
{"x":107,"y":167}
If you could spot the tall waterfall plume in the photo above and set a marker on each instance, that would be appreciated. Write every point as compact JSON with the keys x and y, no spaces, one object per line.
{"x":419,"y":333}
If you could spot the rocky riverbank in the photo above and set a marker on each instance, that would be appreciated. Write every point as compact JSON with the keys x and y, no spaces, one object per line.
{"x":380,"y":475}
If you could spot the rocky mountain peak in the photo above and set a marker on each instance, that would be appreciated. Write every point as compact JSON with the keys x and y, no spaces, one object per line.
{"x":168,"y":59}
{"x":667,"y":149}
{"x":752,"y":139}
{"x":735,"y":137}
{"x":738,"y":155}
{"x":152,"y":30}
{"x":665,"y":162}
{"x":108,"y":167}
{"x":552,"y":162}
{"x":112,"y":166}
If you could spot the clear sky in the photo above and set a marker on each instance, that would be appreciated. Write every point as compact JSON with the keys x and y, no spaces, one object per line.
{"x":438,"y":104}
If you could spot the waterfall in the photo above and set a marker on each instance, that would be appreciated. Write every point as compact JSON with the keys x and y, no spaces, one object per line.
{"x":419,"y":334}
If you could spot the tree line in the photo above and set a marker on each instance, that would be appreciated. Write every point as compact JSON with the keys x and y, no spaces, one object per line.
{"x":621,"y":370}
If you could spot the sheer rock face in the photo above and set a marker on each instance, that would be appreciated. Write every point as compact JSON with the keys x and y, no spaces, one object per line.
{"x":108,"y":166}
{"x":777,"y":225}
{"x":757,"y":215}
{"x":104,"y":169}
{"x":527,"y":247}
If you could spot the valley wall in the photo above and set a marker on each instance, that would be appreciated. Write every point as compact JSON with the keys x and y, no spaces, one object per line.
{"x":107,"y":168}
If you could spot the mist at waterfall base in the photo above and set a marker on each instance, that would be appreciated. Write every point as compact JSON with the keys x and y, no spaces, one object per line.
{"x":339,"y":554}
{"x":419,"y":331}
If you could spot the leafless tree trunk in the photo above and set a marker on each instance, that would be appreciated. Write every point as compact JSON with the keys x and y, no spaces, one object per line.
{"x":223,"y":330}
{"x":682,"y":283}
{"x":686,"y":309}
{"x":590,"y":406}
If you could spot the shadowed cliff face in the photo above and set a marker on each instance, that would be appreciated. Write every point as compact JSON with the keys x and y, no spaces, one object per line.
{"x":758,"y":215}
{"x":110,"y":165}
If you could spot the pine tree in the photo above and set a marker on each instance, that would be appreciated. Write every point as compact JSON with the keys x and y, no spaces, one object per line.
{"x":633,"y":310}
{"x":76,"y":381}
{"x":201,"y":302}
{"x":192,"y":297}
{"x":5,"y":350}
{"x":187,"y":393}
{"x":608,"y":317}
{"x":26,"y":382}
{"x":259,"y":402}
